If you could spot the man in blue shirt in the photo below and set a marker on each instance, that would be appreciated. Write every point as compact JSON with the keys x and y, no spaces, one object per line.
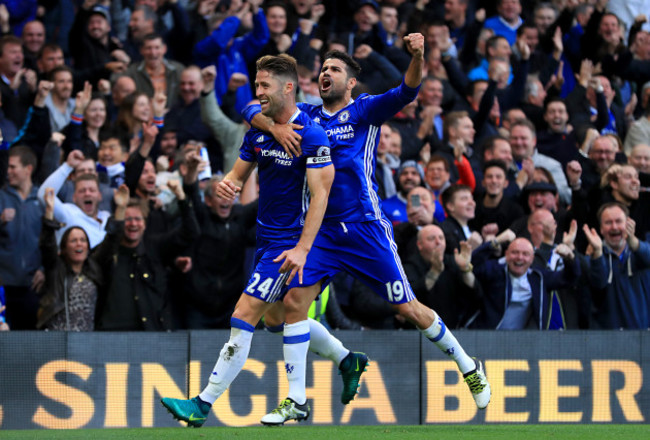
{"x":292,"y":201}
{"x":507,"y":21}
{"x":355,"y":231}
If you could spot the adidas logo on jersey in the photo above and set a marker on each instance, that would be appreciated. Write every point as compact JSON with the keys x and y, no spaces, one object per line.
{"x":260,"y":139}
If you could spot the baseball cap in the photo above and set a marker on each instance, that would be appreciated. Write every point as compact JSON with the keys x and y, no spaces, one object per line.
{"x":540,"y":186}
{"x":101,"y":10}
{"x":363,"y":3}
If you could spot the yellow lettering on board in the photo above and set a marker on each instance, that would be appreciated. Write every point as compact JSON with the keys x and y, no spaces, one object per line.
{"x":438,"y":392}
{"x":601,"y":390}
{"x":81,"y":404}
{"x":377,"y":399}
{"x":496,"y":373}
{"x":550,"y":391}
{"x":156,"y":380}
{"x":116,"y":395}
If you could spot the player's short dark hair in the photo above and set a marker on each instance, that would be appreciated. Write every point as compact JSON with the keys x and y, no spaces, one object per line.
{"x":352,"y":68}
{"x":608,"y":205}
{"x":25,"y":154}
{"x":282,"y":65}
{"x":449,"y":194}
{"x":495,"y":163}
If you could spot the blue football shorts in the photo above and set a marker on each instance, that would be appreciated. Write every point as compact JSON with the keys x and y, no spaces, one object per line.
{"x":266,"y":282}
{"x":366,"y":251}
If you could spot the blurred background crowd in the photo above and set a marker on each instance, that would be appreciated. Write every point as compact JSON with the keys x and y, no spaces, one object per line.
{"x":517,"y":182}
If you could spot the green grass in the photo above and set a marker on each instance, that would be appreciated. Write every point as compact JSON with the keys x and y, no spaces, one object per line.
{"x":455,"y":432}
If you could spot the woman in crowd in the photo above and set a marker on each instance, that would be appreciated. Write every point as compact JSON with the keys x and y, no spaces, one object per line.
{"x":136,"y":109}
{"x":89,"y":118}
{"x":73,"y":276}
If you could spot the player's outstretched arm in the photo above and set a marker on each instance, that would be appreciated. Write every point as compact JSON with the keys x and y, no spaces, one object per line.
{"x":232,"y":183}
{"x":377,"y":109}
{"x":415,"y":45}
{"x":319,"y":181}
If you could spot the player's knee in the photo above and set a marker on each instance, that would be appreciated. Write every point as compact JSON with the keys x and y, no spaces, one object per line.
{"x":416,"y":313}
{"x":248,"y":311}
{"x":273,"y":317}
{"x":238,"y":313}
{"x":292,"y":303}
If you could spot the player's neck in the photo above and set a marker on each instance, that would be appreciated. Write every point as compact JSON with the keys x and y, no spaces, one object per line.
{"x":334,"y":106}
{"x":285,"y":115}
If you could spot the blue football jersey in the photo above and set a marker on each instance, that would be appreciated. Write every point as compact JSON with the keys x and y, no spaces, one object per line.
{"x":284,"y":193}
{"x":354,"y":134}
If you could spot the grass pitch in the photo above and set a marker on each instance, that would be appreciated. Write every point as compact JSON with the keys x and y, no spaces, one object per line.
{"x":456,"y":432}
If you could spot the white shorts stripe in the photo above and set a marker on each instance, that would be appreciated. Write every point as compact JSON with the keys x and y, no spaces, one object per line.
{"x":368,"y":156}
{"x":277,"y":287}
{"x":393,"y":247}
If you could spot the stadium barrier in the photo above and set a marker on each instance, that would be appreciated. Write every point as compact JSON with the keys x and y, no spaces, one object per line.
{"x":95,"y":380}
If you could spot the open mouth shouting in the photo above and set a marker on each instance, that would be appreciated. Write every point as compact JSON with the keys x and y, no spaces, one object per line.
{"x":326,"y":84}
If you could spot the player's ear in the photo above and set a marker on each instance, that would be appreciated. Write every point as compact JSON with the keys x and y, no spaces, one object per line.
{"x":288,"y":87}
{"x":352,"y":83}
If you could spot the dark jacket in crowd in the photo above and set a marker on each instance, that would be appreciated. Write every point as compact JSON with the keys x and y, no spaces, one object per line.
{"x":454,"y":301}
{"x":138,"y":297}
{"x":19,"y":256}
{"x":57,"y":271}
{"x":218,"y":276}
{"x":496,"y":286}
{"x":620,"y":288}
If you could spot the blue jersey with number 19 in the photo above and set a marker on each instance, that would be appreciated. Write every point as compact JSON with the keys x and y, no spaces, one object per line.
{"x":354,"y":134}
{"x":284,"y":193}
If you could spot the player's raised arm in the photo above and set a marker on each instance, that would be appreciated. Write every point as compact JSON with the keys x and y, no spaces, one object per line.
{"x":232,"y":183}
{"x":415,"y":46}
{"x":319,"y":181}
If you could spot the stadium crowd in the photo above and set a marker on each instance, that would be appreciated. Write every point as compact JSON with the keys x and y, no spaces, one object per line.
{"x":517,"y":182}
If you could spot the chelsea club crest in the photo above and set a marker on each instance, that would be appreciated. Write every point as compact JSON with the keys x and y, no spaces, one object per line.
{"x":344,"y":116}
